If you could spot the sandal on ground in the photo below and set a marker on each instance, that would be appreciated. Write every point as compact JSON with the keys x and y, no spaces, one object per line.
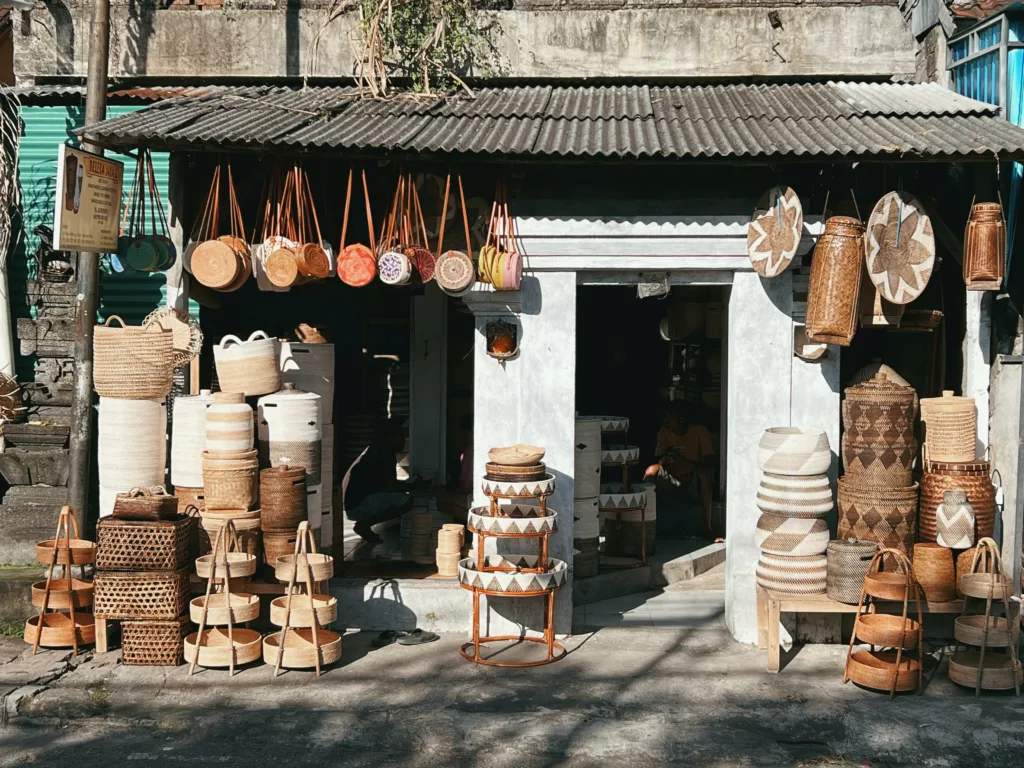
{"x":418,"y":637}
{"x":387,"y":637}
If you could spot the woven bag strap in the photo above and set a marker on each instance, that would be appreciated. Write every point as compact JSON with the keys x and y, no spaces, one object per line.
{"x":257,"y":335}
{"x":139,"y":492}
{"x":114,"y":317}
{"x":226,"y":339}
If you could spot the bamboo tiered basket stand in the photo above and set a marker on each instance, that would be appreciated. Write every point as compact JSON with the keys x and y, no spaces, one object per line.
{"x":61,"y":622}
{"x":891,"y":670}
{"x":983,"y":668}
{"x":304,"y":640}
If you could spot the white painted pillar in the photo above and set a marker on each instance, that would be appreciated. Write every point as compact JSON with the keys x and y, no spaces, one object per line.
{"x":817,"y":393}
{"x":529,"y":399}
{"x":760,"y":384}
{"x":427,"y":391}
{"x":977,"y":353}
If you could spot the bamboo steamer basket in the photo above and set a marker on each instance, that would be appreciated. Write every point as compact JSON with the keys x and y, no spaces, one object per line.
{"x":58,"y":630}
{"x":326,"y":611}
{"x":1000,"y":673}
{"x":244,"y":608}
{"x":283,"y":498}
{"x":132,"y":362}
{"x":887,"y":631}
{"x":80,"y":551}
{"x":448,"y":564}
{"x":299,"y":651}
{"x":834,"y":288}
{"x":935,"y":572}
{"x":448,"y":543}
{"x":217,"y":650}
{"x":237,"y":565}
{"x":985,"y":247}
{"x":230,"y":481}
{"x":229,"y":423}
{"x":131,"y":447}
{"x":250,"y":367}
{"x":290,"y":431}
{"x":64,"y":594}
{"x":188,"y":439}
{"x":875,"y":669}
{"x":322,"y":567}
{"x":977,"y":629}
{"x":950,"y":428}
{"x":970,"y":477}
{"x":310,"y":367}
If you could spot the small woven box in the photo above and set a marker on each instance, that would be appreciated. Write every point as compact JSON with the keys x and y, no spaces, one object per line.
{"x":154,"y":643}
{"x":155,"y":595}
{"x":132,"y":545}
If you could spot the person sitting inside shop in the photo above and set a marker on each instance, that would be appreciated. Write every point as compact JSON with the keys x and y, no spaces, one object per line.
{"x":371,"y":493}
{"x":685,"y":458}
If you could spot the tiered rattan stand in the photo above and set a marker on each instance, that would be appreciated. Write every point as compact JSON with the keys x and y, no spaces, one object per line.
{"x":984,"y":668}
{"x":232,"y":646}
{"x":514,"y":575}
{"x":62,"y":621}
{"x":623,"y":457}
{"x":304,"y":641}
{"x":887,"y":670}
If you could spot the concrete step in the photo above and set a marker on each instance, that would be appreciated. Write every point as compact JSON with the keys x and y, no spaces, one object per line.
{"x":28,"y":514}
{"x":673,"y":562}
{"x":16,"y":593}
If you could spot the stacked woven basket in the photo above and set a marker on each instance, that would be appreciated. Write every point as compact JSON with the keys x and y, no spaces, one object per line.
{"x":142,"y":580}
{"x":132,"y":372}
{"x":794,"y":498}
{"x":877,"y":494}
{"x":451,"y":543}
{"x":586,"y":531}
{"x":283,"y":508}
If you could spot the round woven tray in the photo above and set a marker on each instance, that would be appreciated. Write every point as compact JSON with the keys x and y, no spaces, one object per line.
{"x":61,"y":595}
{"x":998,"y":675}
{"x":301,"y":616}
{"x":244,"y":607}
{"x":980,"y":585}
{"x":874,"y":669}
{"x":887,"y":631}
{"x":299,"y":651}
{"x":322,"y":566}
{"x":82,"y":552}
{"x":972,"y":631}
{"x":516,"y":455}
{"x":237,"y":565}
{"x":515,"y":474}
{"x":216,"y":648}
{"x":57,"y":630}
{"x":886,"y":586}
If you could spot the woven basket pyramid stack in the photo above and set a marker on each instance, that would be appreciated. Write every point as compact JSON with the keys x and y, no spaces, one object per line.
{"x":794,"y":497}
{"x":877,"y":494}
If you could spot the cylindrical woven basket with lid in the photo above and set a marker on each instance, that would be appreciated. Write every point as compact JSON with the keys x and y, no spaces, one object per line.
{"x":132,"y":363}
{"x":950,"y":429}
{"x":230,"y":480}
{"x":290,"y":431}
{"x":884,"y":515}
{"x":229,"y":423}
{"x":283,"y":497}
{"x":848,"y":562}
{"x":834,"y":287}
{"x":972,"y":477}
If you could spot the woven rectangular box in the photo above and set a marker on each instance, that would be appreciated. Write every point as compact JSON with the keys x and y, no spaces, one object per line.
{"x":149,"y":595}
{"x":154,"y":643}
{"x":130,"y":545}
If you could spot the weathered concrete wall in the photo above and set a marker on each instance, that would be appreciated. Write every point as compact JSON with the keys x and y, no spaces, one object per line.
{"x":1004,"y":441}
{"x":276,"y":39}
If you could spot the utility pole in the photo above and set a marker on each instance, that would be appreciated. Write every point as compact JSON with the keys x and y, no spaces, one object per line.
{"x":80,"y":469}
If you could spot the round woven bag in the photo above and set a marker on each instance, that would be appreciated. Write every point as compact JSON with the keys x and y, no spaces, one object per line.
{"x":794,"y":495}
{"x":792,"y":575}
{"x":454,"y":272}
{"x":848,"y":562}
{"x":778,"y":535}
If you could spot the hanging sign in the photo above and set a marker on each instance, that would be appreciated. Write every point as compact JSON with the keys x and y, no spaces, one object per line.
{"x":88,"y":201}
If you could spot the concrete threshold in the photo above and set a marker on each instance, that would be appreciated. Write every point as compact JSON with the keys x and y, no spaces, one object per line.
{"x":673,"y":562}
{"x":438,"y":605}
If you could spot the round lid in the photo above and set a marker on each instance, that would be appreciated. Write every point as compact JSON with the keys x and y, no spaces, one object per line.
{"x":946,"y":467}
{"x":283,"y":472}
{"x":879,"y":385}
{"x":948,"y":400}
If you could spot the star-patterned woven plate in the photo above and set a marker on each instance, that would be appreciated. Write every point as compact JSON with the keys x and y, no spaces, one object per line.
{"x":773,"y":233}
{"x":900,"y":248}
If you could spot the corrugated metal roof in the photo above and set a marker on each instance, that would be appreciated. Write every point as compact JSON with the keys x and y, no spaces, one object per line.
{"x":712,"y":121}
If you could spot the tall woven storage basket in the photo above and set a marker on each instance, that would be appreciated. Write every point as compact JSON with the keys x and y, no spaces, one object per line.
{"x":188,"y":438}
{"x":950,"y":428}
{"x":848,"y":562}
{"x":971,"y":477}
{"x":154,"y":643}
{"x":887,"y":516}
{"x":250,"y":367}
{"x":230,"y":481}
{"x":131,"y":362}
{"x":131,"y":446}
{"x":283,"y":498}
{"x":834,"y":288}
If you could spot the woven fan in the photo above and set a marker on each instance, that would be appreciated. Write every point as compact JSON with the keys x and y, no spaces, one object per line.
{"x":12,"y":407}
{"x":773,"y":233}
{"x":185,"y":332}
{"x":900,"y":247}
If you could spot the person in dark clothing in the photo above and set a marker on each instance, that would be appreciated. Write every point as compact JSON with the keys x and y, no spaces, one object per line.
{"x":370,"y":490}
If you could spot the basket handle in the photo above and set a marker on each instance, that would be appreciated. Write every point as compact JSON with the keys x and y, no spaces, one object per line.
{"x":230,"y":337}
{"x":256,"y":335}
{"x":139,"y":492}
{"x":114,"y":317}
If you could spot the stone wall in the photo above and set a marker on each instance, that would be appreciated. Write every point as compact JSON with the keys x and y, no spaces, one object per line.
{"x":678,"y":38}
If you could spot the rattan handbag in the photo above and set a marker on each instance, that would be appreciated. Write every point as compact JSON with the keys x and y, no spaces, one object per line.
{"x":145,"y":504}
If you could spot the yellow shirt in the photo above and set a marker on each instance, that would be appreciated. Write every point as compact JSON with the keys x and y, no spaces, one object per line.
{"x":692,"y":448}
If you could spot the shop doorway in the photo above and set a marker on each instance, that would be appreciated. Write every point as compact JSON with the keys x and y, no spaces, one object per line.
{"x":660,"y":362}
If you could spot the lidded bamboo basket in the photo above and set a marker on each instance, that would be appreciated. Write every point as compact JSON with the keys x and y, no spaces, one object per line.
{"x":290,"y":431}
{"x":230,"y":480}
{"x":834,"y":289}
{"x":950,"y":428}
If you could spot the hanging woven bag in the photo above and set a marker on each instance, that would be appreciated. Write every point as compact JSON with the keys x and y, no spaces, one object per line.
{"x":132,"y":363}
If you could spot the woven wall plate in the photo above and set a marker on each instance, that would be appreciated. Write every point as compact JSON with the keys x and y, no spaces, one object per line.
{"x":774,"y":230}
{"x":900,"y":248}
{"x":186,"y":335}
